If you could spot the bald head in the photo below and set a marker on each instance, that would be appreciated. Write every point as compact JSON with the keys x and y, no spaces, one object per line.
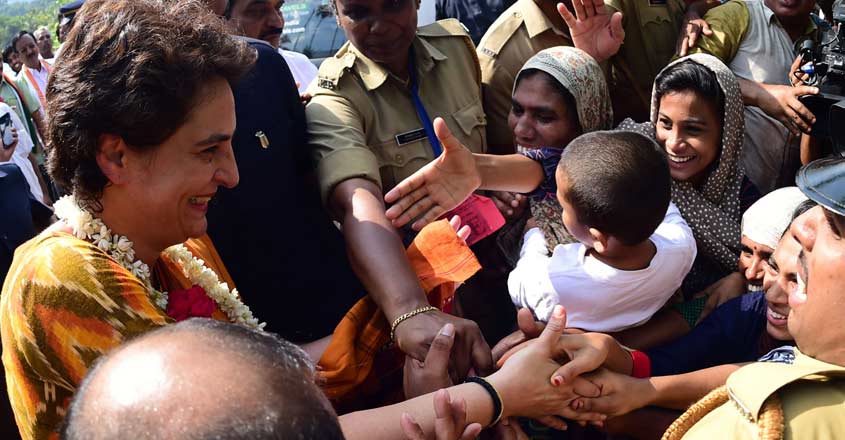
{"x":202,"y":379}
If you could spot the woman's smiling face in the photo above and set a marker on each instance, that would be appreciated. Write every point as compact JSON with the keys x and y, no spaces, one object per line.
{"x":689,"y":128}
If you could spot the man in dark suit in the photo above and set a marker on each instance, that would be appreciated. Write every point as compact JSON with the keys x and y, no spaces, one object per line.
{"x":287,"y":258}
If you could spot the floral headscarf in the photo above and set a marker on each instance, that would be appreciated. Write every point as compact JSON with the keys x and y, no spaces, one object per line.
{"x":583,"y":78}
{"x":712,"y":211}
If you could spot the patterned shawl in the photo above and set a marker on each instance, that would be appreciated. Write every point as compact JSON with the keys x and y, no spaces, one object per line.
{"x":579,"y":74}
{"x":712,"y":210}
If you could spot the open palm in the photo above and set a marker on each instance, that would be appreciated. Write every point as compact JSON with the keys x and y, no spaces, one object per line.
{"x":436,"y":188}
{"x":593,"y":29}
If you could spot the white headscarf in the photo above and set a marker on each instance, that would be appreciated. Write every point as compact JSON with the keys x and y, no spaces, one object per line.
{"x":766,"y":220}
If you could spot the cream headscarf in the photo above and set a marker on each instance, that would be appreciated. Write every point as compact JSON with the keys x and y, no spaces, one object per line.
{"x":582,"y":77}
{"x":766,"y":220}
{"x":712,"y":211}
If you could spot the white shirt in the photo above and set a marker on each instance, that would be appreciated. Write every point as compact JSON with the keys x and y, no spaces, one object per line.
{"x":39,"y":75}
{"x":599,"y":297}
{"x":303,"y":70}
{"x":21,"y":155}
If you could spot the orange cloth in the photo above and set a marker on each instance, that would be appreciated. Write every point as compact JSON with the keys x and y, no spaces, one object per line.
{"x":349,"y":368}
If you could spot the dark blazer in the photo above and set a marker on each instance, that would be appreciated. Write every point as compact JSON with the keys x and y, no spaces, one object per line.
{"x":16,"y":205}
{"x":287,"y":258}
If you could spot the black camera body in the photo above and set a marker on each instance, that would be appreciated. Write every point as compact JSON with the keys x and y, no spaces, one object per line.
{"x":825,"y":64}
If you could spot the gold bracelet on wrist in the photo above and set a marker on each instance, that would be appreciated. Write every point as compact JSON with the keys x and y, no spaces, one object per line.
{"x":408,"y":315}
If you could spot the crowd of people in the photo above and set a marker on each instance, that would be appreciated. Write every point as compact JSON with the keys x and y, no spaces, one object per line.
{"x":207,"y":236}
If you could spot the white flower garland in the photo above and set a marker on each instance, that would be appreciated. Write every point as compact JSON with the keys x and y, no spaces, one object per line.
{"x":87,"y":227}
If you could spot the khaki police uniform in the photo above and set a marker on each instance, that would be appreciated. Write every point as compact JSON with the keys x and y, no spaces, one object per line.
{"x":362,"y":121}
{"x":812,"y":394}
{"x":517,"y":35}
{"x":651,"y":31}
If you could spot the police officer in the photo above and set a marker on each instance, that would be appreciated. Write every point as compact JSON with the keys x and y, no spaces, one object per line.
{"x":370,"y":126}
{"x":651,"y":29}
{"x":794,"y":392}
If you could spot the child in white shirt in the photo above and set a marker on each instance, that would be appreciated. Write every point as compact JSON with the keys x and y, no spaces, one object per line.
{"x":634,"y":248}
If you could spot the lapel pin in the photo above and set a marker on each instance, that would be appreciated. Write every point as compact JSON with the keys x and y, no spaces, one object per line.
{"x":262,"y":138}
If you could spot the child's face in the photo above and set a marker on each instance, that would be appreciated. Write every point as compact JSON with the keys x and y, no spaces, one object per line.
{"x":688,"y":128}
{"x":539,"y":116}
{"x":570,"y":218}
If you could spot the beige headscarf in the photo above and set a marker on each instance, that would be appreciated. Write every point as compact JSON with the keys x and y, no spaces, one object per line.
{"x":582,"y":77}
{"x":712,"y":211}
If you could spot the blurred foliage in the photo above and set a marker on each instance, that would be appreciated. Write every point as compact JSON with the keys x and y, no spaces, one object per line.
{"x":15,"y":17}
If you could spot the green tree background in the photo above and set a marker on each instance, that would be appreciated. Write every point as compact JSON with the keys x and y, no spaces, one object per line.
{"x":15,"y":17}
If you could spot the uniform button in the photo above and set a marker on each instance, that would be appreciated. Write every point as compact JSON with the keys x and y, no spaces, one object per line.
{"x":399,"y":158}
{"x":517,"y":14}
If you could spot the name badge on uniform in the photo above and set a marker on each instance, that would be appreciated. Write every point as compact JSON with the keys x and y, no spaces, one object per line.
{"x":410,"y":136}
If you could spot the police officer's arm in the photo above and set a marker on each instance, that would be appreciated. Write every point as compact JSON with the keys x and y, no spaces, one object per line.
{"x":378,"y":257}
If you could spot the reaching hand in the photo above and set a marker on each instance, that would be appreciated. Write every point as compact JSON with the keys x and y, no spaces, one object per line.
{"x":8,"y":150}
{"x":416,"y":334}
{"x":781,"y":103}
{"x":525,"y":387}
{"x":511,"y":205}
{"x":594,"y":31}
{"x":437,"y":187}
{"x":432,"y":374}
{"x":449,"y":423}
{"x":463,"y":232}
{"x":528,"y":329}
{"x":620,"y":394}
{"x":722,"y":291}
{"x":691,"y":29}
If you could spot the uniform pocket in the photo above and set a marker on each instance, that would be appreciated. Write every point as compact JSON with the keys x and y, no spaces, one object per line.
{"x":398,"y":162}
{"x":469,"y":127}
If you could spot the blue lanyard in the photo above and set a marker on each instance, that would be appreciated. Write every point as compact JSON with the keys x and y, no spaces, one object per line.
{"x":421,"y":113}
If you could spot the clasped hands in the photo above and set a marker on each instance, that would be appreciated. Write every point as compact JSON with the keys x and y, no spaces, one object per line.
{"x":536,"y":379}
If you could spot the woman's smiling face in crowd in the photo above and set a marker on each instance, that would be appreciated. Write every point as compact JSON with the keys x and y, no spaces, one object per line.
{"x":689,"y":128}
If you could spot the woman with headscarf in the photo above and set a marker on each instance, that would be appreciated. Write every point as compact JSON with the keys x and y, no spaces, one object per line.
{"x":559,"y":94}
{"x":696,"y":116}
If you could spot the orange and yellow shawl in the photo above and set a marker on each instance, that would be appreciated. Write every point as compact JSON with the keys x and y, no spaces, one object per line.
{"x":64,"y":304}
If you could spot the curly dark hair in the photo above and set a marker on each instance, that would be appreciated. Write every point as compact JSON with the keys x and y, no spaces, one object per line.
{"x":133,"y":69}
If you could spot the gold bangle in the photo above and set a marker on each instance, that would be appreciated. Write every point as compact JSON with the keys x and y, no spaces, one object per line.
{"x":408,"y":315}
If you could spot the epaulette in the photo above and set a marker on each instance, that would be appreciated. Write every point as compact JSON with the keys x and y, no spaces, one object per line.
{"x":499,"y":34}
{"x":449,"y":27}
{"x":751,"y":385}
{"x":332,"y":69}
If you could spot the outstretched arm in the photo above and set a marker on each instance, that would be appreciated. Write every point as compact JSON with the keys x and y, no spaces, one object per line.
{"x":378,"y":257}
{"x":622,"y":394}
{"x":522,"y":394}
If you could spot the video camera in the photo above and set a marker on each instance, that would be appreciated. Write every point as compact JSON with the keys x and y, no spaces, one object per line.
{"x":825,"y":65}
